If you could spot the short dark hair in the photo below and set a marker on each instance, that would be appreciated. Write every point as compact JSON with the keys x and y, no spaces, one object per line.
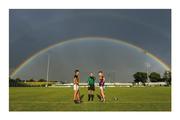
{"x":76,"y":71}
{"x":100,"y":72}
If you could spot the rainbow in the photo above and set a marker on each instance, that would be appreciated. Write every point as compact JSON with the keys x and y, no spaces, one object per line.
{"x":93,"y":38}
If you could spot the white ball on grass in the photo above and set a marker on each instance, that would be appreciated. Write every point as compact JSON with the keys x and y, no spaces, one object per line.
{"x":115,"y":98}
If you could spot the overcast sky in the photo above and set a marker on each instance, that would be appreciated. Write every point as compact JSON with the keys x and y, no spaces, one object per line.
{"x":33,"y":30}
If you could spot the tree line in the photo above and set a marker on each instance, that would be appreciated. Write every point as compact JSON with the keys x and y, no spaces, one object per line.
{"x":153,"y":77}
{"x":30,"y":83}
{"x":138,"y":77}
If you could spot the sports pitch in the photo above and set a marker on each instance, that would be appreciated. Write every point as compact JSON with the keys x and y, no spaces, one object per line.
{"x":117,"y":99}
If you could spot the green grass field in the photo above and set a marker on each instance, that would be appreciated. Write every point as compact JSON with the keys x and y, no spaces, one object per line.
{"x":60,"y":99}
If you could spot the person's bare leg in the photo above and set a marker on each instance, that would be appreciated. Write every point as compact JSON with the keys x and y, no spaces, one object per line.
{"x":91,"y":92}
{"x":103,"y":96}
{"x":78,"y":95}
{"x":75,"y":94}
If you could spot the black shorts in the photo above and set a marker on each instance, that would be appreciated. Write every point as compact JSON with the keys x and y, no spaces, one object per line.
{"x":91,"y":88}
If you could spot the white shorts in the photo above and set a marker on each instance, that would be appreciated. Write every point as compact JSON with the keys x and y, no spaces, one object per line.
{"x":101,"y":87}
{"x":76,"y":87}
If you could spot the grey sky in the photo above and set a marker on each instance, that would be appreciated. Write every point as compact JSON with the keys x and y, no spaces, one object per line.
{"x":33,"y":30}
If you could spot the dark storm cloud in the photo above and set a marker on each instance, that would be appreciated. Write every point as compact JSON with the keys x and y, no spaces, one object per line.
{"x":34,"y":30}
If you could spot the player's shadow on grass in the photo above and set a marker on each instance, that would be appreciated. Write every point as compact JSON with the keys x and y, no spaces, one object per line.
{"x":98,"y":96}
{"x":81,"y":97}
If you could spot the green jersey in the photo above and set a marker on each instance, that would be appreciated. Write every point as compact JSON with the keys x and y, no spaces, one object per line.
{"x":91,"y":81}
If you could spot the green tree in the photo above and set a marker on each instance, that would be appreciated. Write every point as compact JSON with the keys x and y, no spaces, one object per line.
{"x":140,"y":77}
{"x":18,"y":79}
{"x":167,"y":77}
{"x":31,"y":80}
{"x":41,"y":80}
{"x":155,"y":77}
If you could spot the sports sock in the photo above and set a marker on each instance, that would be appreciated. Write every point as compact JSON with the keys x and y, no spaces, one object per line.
{"x":92,"y":97}
{"x":89,"y":96}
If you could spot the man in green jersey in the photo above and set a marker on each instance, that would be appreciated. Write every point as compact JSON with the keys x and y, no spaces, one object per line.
{"x":91,"y":86}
